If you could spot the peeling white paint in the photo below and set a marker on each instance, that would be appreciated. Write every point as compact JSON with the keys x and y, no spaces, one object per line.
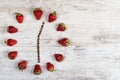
{"x":93,"y":28}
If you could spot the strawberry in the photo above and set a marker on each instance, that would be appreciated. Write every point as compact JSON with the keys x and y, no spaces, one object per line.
{"x":37,"y":69}
{"x":12,"y":55}
{"x":12,"y":29}
{"x":19,"y":17}
{"x":38,"y":13}
{"x":22,"y":65}
{"x":11,"y":42}
{"x":64,"y":42}
{"x":59,"y":57}
{"x":52,"y":17}
{"x":61,"y":27}
{"x":50,"y":67}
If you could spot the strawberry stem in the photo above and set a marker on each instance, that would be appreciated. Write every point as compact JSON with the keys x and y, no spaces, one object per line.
{"x":18,"y":13}
{"x":54,"y":13}
{"x":20,"y":69}
{"x":62,"y":24}
{"x":38,"y":41}
{"x":36,"y":9}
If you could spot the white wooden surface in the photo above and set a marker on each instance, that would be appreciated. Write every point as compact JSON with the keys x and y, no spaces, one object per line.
{"x":93,"y":28}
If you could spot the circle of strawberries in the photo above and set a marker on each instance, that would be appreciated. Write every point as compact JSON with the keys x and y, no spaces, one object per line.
{"x":22,"y":65}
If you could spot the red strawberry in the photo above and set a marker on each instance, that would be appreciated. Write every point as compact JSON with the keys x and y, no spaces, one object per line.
{"x":59,"y":57}
{"x":12,"y":55}
{"x":19,"y":17}
{"x":22,"y":65}
{"x":37,"y":69}
{"x":38,"y":13}
{"x":64,"y":42}
{"x":11,"y":42}
{"x":61,"y":27}
{"x":50,"y":67}
{"x":52,"y":17}
{"x":12,"y":29}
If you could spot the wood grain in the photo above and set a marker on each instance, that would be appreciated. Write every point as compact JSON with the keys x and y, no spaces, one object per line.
{"x":93,"y":28}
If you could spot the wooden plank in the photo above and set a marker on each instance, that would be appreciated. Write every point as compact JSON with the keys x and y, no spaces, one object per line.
{"x":93,"y":28}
